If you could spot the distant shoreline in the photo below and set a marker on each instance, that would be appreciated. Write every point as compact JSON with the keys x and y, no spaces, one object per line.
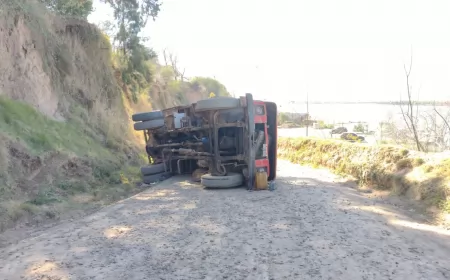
{"x":421,"y":103}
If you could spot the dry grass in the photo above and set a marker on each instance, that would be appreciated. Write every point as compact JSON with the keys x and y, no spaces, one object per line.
{"x":414,"y":175}
{"x":4,"y":157}
{"x":76,"y":56}
{"x":58,"y":184}
{"x":89,"y":157}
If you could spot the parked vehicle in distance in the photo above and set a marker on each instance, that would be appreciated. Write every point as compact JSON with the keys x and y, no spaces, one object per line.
{"x":339,"y":130}
{"x":352,"y":137}
{"x":231,"y":141}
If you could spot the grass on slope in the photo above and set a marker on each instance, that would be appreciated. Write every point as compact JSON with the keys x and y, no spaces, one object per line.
{"x":42,"y":134}
{"x":417,"y":176}
{"x":48,"y":167}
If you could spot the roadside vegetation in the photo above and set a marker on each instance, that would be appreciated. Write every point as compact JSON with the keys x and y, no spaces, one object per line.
{"x":48,"y":167}
{"x":418,"y":176}
{"x":86,"y":154}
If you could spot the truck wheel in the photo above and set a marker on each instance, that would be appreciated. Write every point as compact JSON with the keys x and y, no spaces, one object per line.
{"x":149,"y":124}
{"x":142,"y":117}
{"x":156,"y":177}
{"x":217,"y":103}
{"x":152,"y":169}
{"x":220,"y":182}
{"x":198,"y":173}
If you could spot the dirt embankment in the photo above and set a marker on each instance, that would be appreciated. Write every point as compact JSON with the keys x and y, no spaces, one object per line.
{"x":421,"y":177}
{"x":53,"y":63}
{"x":65,"y":139}
{"x":22,"y":69}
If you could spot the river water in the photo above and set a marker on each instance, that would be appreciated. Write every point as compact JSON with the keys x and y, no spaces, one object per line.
{"x":372,"y":114}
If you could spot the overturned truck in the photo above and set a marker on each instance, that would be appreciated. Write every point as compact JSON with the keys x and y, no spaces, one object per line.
{"x":223,"y":142}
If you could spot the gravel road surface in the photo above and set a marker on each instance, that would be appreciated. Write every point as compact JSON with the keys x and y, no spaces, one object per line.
{"x":313,"y":226}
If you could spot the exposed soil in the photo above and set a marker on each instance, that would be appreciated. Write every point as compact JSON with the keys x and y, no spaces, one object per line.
{"x":22,"y":75}
{"x":313,"y":226}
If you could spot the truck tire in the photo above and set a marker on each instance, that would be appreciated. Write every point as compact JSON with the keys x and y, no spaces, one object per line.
{"x":142,"y":117}
{"x":156,"y":177}
{"x":149,"y":124}
{"x":152,"y":169}
{"x":217,"y":103}
{"x":219,"y":182}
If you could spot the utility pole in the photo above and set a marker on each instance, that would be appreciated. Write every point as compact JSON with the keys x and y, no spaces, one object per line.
{"x":307,"y":114}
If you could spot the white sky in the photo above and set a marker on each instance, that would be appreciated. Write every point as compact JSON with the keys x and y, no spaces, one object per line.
{"x":336,"y":50}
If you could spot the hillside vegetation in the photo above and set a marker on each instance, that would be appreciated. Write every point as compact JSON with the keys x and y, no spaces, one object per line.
{"x":416,"y":175}
{"x":66,"y":97}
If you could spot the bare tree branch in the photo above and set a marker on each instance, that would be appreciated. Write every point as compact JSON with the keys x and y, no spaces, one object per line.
{"x":411,"y":118}
{"x":165,"y":57}
{"x":404,"y":115}
{"x":443,"y":119}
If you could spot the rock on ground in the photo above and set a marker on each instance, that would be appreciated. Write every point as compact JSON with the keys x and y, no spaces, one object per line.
{"x":311,"y":227}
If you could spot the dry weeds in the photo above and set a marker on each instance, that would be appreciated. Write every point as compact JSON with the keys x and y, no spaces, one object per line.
{"x":72,"y":120}
{"x":417,"y":176}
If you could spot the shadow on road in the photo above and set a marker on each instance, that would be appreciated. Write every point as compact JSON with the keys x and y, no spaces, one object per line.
{"x":313,"y":227}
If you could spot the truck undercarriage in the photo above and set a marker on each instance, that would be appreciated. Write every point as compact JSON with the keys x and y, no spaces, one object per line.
{"x":218,"y":137}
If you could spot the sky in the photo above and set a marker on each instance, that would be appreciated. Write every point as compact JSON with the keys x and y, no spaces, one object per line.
{"x":346,"y":50}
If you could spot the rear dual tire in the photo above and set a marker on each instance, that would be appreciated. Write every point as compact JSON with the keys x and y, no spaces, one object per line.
{"x":152,"y":169}
{"x":149,"y":179}
{"x":147,"y":116}
{"x":154,"y":173}
{"x":217,"y":103}
{"x":149,"y":124}
{"x":148,"y":120}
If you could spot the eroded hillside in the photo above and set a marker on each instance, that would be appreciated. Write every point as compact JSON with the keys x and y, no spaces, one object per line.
{"x":65,"y":103}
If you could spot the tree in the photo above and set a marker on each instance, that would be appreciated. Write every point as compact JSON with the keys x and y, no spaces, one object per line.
{"x":410,"y":116}
{"x":209,"y":85}
{"x":76,"y":8}
{"x":282,"y":118}
{"x":172,"y":60}
{"x":131,"y":16}
{"x":444,"y":119}
{"x":437,"y":128}
{"x":359,"y":128}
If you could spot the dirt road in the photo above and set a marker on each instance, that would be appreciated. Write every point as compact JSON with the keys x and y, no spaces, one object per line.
{"x":311,"y":227}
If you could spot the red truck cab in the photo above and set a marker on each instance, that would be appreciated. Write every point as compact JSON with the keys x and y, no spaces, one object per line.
{"x":265,"y":118}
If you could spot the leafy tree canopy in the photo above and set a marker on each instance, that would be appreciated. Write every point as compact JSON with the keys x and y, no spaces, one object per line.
{"x":130,"y":17}
{"x":76,"y":8}
{"x":282,"y":118}
{"x":210,"y":85}
{"x":359,"y":128}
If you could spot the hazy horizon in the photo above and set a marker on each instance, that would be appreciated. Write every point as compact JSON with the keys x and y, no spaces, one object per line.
{"x":335,"y":50}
